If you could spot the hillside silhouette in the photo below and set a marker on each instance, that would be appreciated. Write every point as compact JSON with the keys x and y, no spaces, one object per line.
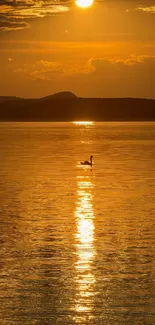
{"x":65,"y":106}
{"x":60,"y":95}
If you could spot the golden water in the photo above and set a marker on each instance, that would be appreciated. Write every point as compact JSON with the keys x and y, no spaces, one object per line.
{"x":77,"y":245}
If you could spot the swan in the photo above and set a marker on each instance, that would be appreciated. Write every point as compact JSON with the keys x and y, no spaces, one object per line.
{"x":87,"y":163}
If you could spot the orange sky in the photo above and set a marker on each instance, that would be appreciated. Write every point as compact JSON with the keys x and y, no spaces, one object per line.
{"x":107,"y":50}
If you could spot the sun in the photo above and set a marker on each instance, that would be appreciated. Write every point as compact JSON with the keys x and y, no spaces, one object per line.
{"x":84,"y":3}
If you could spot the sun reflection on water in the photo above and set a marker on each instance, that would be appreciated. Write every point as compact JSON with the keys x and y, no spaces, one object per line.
{"x":84,"y":123}
{"x":85,"y":250}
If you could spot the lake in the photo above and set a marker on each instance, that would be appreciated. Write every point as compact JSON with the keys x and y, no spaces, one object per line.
{"x":77,"y":245}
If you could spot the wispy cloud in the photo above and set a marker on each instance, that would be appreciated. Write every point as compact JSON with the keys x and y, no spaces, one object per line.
{"x":53,"y":70}
{"x":150,"y":9}
{"x":6,"y":25}
{"x":15,"y":14}
{"x":130,"y":76}
{"x":46,"y":70}
{"x":50,"y":70}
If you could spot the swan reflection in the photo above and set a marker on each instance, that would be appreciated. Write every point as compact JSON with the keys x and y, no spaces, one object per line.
{"x":85,"y":251}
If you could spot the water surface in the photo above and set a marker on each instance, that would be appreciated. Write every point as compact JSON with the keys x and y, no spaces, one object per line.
{"x":77,"y":246}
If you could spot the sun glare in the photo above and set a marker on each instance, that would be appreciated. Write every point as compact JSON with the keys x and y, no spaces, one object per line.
{"x":84,"y":3}
{"x":83,"y":123}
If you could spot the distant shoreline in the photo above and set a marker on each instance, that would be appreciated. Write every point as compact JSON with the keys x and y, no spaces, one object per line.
{"x":64,"y":107}
{"x":60,"y":121}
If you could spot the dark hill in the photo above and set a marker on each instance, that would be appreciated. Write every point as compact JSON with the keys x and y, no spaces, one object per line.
{"x":60,"y":95}
{"x":65,"y":106}
{"x":7,"y":98}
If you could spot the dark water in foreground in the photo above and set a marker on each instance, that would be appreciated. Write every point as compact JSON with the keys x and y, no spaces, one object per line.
{"x":77,"y":246}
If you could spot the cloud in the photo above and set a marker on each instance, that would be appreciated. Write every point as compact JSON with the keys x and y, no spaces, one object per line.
{"x":15,"y":14}
{"x":21,"y":70}
{"x":52,"y":70}
{"x":125,"y":62}
{"x":48,"y":70}
{"x":132,"y":67}
{"x":150,"y":9}
{"x":128,"y":4}
{"x":130,"y":76}
{"x":41,"y":70}
{"x":6,"y":25}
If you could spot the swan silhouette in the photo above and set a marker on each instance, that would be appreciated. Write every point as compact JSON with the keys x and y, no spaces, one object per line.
{"x":87,"y":163}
